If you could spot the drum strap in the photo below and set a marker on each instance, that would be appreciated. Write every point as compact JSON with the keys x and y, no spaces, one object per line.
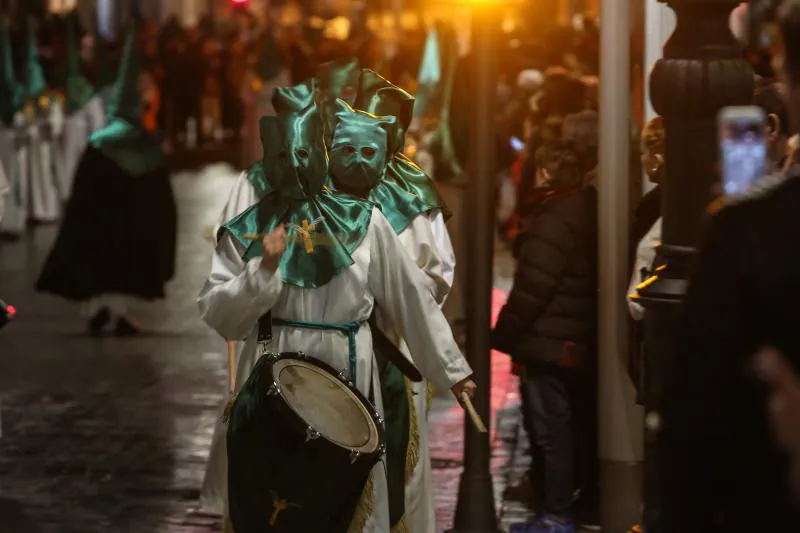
{"x":348,"y":328}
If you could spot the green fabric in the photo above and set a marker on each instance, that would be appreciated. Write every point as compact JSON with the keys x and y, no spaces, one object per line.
{"x":11,"y":93}
{"x":35,"y":84}
{"x":379,"y":97}
{"x":296,"y":98}
{"x":430,"y":74}
{"x":258,"y":179}
{"x":106,"y":68}
{"x":397,"y":422}
{"x":359,"y":149}
{"x":269,"y":64}
{"x":334,"y":79}
{"x":348,"y":328}
{"x":295,"y":166}
{"x":78,"y":89}
{"x":124,"y":140}
{"x":443,"y":148}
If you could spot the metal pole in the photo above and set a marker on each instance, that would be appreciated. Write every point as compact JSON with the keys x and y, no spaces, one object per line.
{"x":701,"y":72}
{"x":475,"y":511}
{"x":620,"y":429}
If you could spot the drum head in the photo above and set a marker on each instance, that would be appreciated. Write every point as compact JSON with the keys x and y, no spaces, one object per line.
{"x":327,"y":405}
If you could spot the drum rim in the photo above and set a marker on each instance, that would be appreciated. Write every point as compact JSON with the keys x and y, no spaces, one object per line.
{"x":369,"y":408}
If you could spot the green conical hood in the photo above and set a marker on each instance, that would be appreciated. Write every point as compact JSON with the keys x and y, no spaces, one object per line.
{"x":430,"y":73}
{"x":10,"y":91}
{"x":125,"y":102}
{"x":268,"y":65}
{"x":295,"y":98}
{"x":124,"y":139}
{"x":35,"y":83}
{"x":78,"y":90}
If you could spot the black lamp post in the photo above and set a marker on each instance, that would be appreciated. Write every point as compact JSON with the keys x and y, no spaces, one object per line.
{"x":475,"y":511}
{"x":702,"y":70}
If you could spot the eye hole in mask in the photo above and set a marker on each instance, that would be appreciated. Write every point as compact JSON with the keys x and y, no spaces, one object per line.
{"x":368,"y":152}
{"x":302,"y":153}
{"x":348,"y":150}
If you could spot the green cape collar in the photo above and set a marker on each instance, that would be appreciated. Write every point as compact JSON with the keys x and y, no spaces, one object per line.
{"x":322,"y":233}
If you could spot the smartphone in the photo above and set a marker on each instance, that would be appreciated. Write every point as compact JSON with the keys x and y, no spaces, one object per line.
{"x":743,"y":147}
{"x":516,"y":144}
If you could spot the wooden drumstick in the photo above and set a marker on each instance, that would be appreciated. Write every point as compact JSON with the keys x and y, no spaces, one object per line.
{"x":473,"y":414}
{"x":232,"y":365}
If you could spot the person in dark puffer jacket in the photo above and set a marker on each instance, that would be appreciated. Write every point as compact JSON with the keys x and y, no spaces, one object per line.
{"x":549,"y":325}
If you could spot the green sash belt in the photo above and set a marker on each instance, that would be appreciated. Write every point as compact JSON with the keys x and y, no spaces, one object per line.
{"x":348,"y":328}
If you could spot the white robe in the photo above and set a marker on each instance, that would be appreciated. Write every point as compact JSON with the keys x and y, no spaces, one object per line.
{"x":4,"y":190}
{"x":427,"y":242}
{"x":237,"y":294}
{"x":214,"y":494}
{"x":16,"y":212}
{"x":77,"y":128}
{"x":39,"y":169}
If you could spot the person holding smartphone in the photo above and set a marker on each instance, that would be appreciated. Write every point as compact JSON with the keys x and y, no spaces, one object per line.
{"x":718,"y":467}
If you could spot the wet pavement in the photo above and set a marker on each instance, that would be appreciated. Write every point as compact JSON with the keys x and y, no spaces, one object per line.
{"x":112,"y":434}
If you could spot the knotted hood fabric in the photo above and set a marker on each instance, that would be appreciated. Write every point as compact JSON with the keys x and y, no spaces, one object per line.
{"x":124,"y":139}
{"x":323,"y":229}
{"x":379,"y":97}
{"x":78,"y":89}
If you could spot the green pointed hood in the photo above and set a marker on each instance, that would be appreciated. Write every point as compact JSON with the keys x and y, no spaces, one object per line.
{"x":323,"y":229}
{"x":124,"y":139}
{"x":443,"y":147}
{"x":11,"y":93}
{"x":335,"y":79}
{"x":125,"y":102}
{"x":78,"y":90}
{"x":430,"y":73}
{"x":35,"y":83}
{"x":295,"y":98}
{"x":405,"y":191}
{"x":269,"y":64}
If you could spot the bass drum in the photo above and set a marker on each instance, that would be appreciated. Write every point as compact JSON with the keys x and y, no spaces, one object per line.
{"x":302,"y":441}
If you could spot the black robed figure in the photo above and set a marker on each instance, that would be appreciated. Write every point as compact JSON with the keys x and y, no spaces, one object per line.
{"x":118,"y":234}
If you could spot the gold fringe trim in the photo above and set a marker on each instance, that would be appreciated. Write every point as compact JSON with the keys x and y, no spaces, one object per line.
{"x":400,"y":527}
{"x":364,"y":508}
{"x":431,"y":394}
{"x":226,"y":413}
{"x":412,"y":455}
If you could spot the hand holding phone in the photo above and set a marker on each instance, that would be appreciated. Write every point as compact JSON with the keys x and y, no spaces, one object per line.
{"x":743,"y":148}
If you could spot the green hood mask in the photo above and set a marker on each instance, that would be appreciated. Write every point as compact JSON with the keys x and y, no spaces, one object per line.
{"x":78,"y":90}
{"x":379,"y":97}
{"x":285,"y":100}
{"x":124,"y":140}
{"x":359,"y":149}
{"x":335,"y":80}
{"x":323,"y":228}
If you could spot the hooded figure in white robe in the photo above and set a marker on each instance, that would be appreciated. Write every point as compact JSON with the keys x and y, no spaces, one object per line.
{"x":361,"y":262}
{"x":11,"y":94}
{"x":41,"y":120}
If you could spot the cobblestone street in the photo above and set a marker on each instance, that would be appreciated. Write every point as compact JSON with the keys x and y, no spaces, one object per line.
{"x":111,"y":435}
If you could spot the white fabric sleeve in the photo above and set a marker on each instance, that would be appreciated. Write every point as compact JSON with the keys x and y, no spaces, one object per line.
{"x":400,"y":290}
{"x":241,"y":197}
{"x":420,"y":243}
{"x":446,"y":253}
{"x":57,"y":119}
{"x":236,"y":293}
{"x":645,"y":256}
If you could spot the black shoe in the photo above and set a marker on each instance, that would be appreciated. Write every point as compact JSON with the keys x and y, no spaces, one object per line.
{"x":126,"y":328}
{"x":99,"y":321}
